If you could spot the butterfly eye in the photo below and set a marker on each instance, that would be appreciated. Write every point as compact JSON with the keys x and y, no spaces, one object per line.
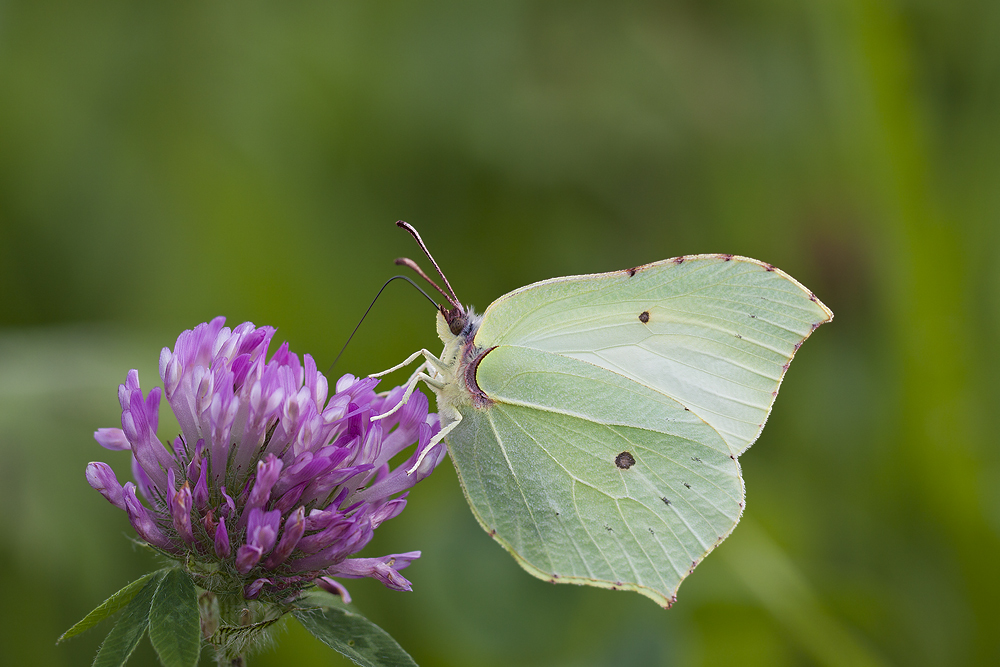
{"x":456,"y":320}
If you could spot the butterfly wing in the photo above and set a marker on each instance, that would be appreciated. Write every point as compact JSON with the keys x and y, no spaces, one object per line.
{"x":618,"y":403}
{"x":714,"y":332}
{"x":589,"y":477}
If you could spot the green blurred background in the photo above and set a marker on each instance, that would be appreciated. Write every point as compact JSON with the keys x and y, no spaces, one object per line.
{"x":163,"y":163}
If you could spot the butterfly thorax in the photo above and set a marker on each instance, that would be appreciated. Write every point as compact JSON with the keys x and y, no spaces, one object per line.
{"x":459,"y":360}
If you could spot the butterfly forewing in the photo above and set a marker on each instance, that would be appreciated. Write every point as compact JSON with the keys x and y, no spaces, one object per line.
{"x":715,"y":333}
{"x":589,"y":477}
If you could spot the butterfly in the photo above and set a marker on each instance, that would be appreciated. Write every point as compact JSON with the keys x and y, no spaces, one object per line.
{"x":596,"y":421}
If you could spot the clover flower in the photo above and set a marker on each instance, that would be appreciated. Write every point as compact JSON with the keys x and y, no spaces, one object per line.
{"x":270,"y":486}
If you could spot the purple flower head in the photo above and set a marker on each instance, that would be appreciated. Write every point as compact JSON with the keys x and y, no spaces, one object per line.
{"x":272,"y":485}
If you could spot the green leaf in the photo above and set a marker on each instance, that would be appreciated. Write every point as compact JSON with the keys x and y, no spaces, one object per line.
{"x":243,"y":639}
{"x":124,"y":637}
{"x":107,"y":608}
{"x":174,"y":624}
{"x":354,"y":636}
{"x":317,"y":597}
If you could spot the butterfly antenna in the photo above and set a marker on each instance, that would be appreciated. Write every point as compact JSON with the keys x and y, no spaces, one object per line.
{"x":453,"y":299}
{"x":406,"y":261}
{"x":330,"y":369}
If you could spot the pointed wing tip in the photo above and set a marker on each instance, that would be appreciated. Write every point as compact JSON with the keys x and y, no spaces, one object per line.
{"x":666,"y":600}
{"x":827,"y":313}
{"x":771,"y":268}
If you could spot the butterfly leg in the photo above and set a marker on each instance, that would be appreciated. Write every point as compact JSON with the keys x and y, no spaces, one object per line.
{"x":429,"y":360}
{"x":406,"y":362}
{"x":434,"y":441}
{"x":411,"y":385}
{"x":418,"y":375}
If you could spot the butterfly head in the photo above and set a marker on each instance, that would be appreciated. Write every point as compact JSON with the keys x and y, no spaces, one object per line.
{"x":455,"y":318}
{"x":457,"y":323}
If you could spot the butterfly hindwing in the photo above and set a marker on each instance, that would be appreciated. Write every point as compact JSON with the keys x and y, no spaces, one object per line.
{"x":588,"y":477}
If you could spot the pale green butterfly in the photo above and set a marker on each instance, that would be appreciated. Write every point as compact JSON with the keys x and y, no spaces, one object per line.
{"x":595,"y":421}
